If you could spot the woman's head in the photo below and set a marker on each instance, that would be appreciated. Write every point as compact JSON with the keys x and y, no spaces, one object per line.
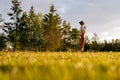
{"x":81,"y":22}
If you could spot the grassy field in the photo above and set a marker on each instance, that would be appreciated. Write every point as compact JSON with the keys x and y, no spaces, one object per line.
{"x":59,"y":66}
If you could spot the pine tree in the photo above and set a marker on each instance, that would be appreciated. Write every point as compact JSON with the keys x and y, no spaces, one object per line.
{"x":24,"y":27}
{"x":75,"y":39}
{"x":3,"y":38}
{"x":3,"y":41}
{"x":95,"y":42}
{"x":65,"y":36}
{"x":51,"y":27}
{"x":35,"y":30}
{"x":14,"y":25}
{"x":31,"y":30}
{"x":15,"y":14}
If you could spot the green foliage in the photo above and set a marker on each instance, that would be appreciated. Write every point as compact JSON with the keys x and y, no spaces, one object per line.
{"x":3,"y":40}
{"x":51,"y":27}
{"x":95,"y":38}
{"x":114,"y":45}
{"x":32,"y":31}
{"x":35,"y":29}
{"x":24,"y":31}
{"x":75,"y":39}
{"x":14,"y":26}
{"x":95,"y":42}
{"x":65,"y":43}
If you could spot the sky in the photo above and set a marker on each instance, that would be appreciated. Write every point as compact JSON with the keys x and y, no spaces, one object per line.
{"x":101,"y":16}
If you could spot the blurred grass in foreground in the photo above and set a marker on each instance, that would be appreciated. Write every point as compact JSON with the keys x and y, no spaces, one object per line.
{"x":59,"y":66}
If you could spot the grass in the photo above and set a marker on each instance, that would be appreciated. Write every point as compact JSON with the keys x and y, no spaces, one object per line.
{"x":59,"y":66}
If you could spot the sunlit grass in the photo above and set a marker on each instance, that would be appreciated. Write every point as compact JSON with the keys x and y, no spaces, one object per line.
{"x":59,"y":66}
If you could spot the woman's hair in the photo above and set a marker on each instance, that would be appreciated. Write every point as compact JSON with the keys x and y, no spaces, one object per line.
{"x":82,"y":22}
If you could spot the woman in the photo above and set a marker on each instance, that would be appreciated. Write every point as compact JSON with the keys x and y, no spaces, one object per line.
{"x":83,"y":34}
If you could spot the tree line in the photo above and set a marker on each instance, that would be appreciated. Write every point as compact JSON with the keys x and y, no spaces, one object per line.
{"x":30,"y":31}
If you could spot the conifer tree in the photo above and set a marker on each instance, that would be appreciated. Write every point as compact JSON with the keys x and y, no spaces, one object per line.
{"x":35,"y":30}
{"x":24,"y":27}
{"x":3,"y":38}
{"x":14,"y":25}
{"x":65,"y":36}
{"x":51,"y":27}
{"x":75,"y":39}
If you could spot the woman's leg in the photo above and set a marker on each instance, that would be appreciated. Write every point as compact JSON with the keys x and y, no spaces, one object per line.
{"x":82,"y":42}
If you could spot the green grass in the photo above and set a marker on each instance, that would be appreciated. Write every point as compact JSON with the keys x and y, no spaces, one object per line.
{"x":59,"y":66}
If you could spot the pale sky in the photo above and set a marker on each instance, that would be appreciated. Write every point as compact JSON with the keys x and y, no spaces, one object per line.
{"x":100,"y":16}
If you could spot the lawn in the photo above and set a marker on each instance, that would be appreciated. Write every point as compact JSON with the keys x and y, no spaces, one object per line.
{"x":59,"y":66}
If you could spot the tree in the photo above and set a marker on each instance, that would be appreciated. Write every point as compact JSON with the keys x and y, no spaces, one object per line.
{"x":31,"y":30}
{"x":75,"y":39}
{"x":95,"y":42}
{"x":51,"y":27}
{"x":14,"y":25}
{"x":3,"y":38}
{"x":65,"y":36}
{"x":1,"y":20}
{"x":117,"y":45}
{"x":87,"y":44}
{"x":24,"y":26}
{"x":95,"y":38}
{"x":15,"y":14}
{"x":3,"y":41}
{"x":35,"y":31}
